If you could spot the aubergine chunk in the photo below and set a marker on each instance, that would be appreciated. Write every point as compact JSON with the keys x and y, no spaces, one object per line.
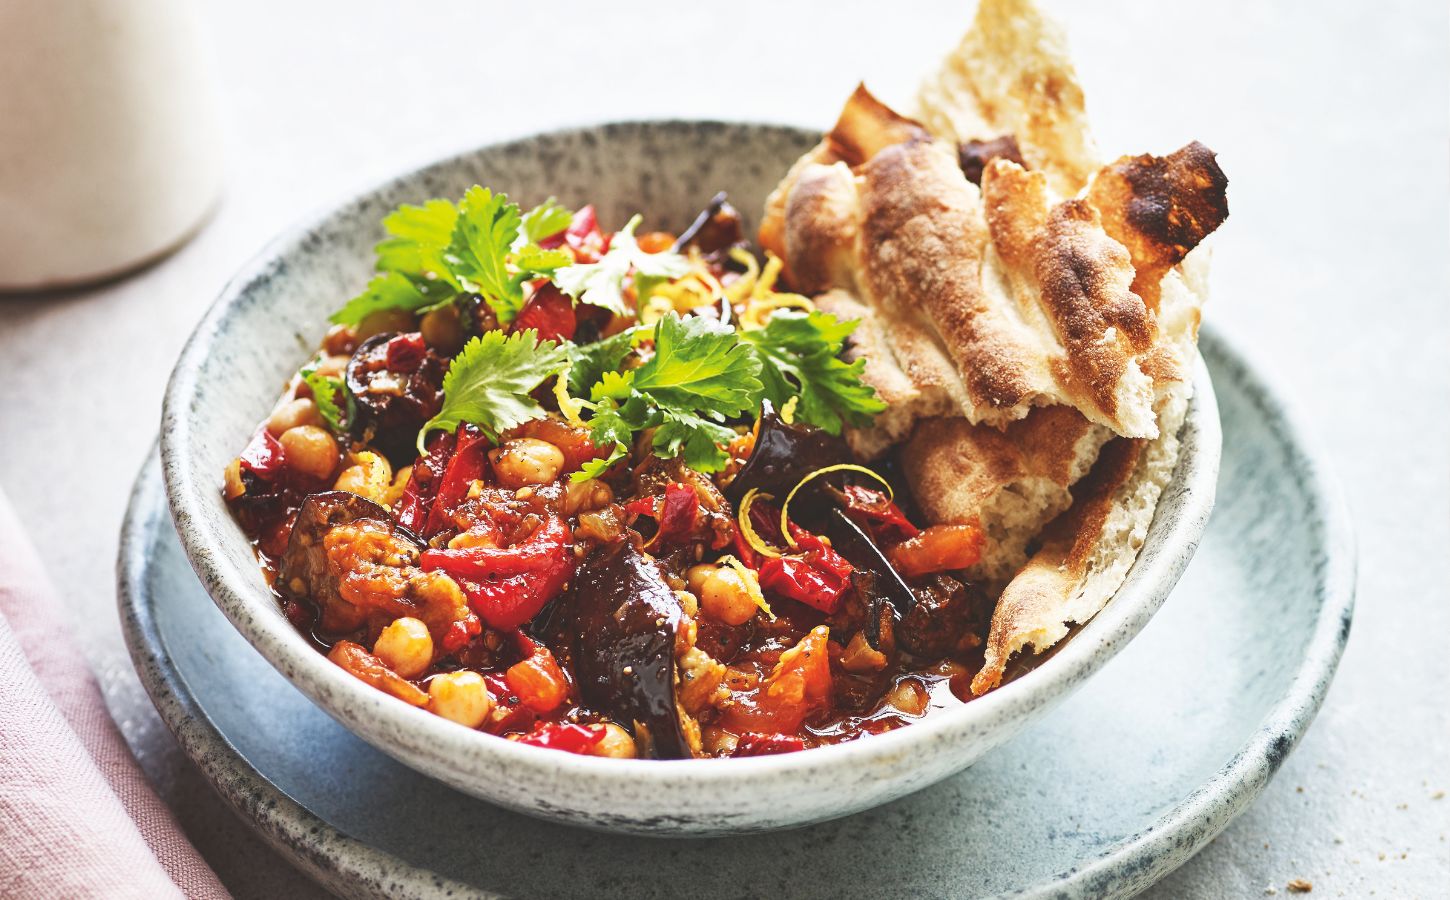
{"x":398,"y":387}
{"x":621,"y":619}
{"x":357,"y":569}
{"x":945,"y":611}
{"x":783,"y":455}
{"x":716,"y":229}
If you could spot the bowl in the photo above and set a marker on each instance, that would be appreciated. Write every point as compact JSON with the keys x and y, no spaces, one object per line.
{"x":269,"y":318}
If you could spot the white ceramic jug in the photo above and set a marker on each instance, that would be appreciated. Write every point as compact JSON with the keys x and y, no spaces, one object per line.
{"x":109,"y":141}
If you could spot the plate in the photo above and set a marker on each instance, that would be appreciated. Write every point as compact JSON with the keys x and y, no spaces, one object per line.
{"x":1123,"y":783}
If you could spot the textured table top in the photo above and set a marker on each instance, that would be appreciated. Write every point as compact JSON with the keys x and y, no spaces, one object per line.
{"x":1331,"y":119}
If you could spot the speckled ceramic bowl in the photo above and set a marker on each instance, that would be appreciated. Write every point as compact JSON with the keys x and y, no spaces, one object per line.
{"x":270,"y":317}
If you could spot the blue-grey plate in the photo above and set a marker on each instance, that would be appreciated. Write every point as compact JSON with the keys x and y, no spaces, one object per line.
{"x":1131,"y":776}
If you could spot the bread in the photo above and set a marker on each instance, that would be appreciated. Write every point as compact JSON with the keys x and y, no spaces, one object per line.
{"x":1032,"y":334}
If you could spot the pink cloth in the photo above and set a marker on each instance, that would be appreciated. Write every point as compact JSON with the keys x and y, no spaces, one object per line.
{"x":77,"y":818}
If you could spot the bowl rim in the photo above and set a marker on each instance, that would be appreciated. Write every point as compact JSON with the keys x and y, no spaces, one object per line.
{"x":1145,"y":588}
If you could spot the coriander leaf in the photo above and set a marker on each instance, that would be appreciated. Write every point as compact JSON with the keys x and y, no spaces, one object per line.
{"x":325,"y":389}
{"x":420,"y":236}
{"x":700,"y":374}
{"x":535,"y":259}
{"x":392,"y":291}
{"x":489,"y":382}
{"x":700,"y":364}
{"x":545,"y":220}
{"x":589,"y":362}
{"x":479,"y":251}
{"x":602,"y":283}
{"x":800,"y":352}
{"x":694,"y":438}
{"x":595,"y":468}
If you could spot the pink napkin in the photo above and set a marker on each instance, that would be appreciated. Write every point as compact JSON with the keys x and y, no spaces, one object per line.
{"x":77,"y":818}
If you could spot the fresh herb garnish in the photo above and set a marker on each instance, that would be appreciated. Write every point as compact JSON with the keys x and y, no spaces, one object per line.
{"x":602,"y":283}
{"x":438,"y":251}
{"x":481,"y":253}
{"x":700,"y":375}
{"x":589,"y":362}
{"x":489,"y":382}
{"x":325,"y":390}
{"x":545,"y":220}
{"x":800,"y":351}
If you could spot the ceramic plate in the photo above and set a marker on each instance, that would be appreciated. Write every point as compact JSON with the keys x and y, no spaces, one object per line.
{"x":1123,"y":783}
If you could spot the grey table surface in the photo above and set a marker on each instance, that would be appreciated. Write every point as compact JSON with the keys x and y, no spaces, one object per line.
{"x":1332,"y":120}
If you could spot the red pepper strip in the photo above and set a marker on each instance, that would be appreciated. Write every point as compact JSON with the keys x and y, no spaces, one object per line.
{"x":565,"y":736}
{"x":510,"y":602}
{"x":755,"y":744}
{"x":405,"y":353}
{"x":804,"y":580}
{"x":535,"y":554}
{"x":412,"y":508}
{"x":743,"y":551}
{"x":676,"y":512}
{"x":877,"y":513}
{"x":460,"y":633}
{"x":465,"y":466}
{"x":550,"y":312}
{"x":263,"y":456}
{"x":508,"y":587}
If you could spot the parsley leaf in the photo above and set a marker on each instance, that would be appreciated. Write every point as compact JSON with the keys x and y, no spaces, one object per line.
{"x":700,"y":375}
{"x":489,"y":382}
{"x":602,"y":283}
{"x":325,"y":389}
{"x":800,"y":354}
{"x":545,"y":220}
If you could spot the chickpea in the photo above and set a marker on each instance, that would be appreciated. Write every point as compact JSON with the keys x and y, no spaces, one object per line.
{"x":442,"y":329}
{"x":460,"y":697}
{"x":722,"y":593}
{"x":333,"y":366}
{"x":617,"y":743}
{"x":310,"y":450}
{"x":340,"y":340}
{"x":368,"y":475}
{"x":909,"y":696}
{"x":405,"y":646}
{"x":301,"y":411}
{"x":524,"y":461}
{"x":384,"y":321}
{"x":586,"y":496}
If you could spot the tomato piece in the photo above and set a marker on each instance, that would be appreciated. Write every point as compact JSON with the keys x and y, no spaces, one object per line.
{"x":405,"y":352}
{"x":940,"y":548}
{"x":800,"y":683}
{"x":565,"y":736}
{"x":550,"y":312}
{"x":538,"y":681}
{"x":263,"y":456}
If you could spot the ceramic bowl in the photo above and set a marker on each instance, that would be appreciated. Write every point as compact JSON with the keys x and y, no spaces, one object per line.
{"x":270,"y":317}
